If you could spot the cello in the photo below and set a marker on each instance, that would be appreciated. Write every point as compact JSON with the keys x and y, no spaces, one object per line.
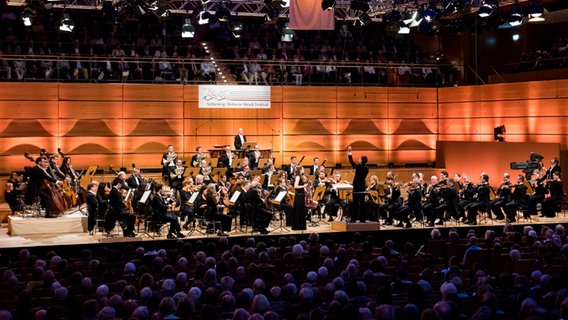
{"x":77,"y":193}
{"x":56,"y":197}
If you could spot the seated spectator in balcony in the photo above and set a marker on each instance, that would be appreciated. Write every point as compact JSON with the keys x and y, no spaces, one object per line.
{"x":80,"y":68}
{"x":165,"y":67}
{"x":156,"y":43}
{"x":208,"y":71}
{"x":20,"y":67}
{"x":254,"y":44}
{"x":118,"y":51}
{"x":124,"y":69}
{"x":369,"y":73}
{"x":296,"y":71}
{"x":404,"y":73}
{"x":261,"y":55}
{"x":98,"y":44}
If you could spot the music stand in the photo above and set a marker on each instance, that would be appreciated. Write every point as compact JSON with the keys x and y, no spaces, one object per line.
{"x":377,"y":200}
{"x":318,"y":196}
{"x":218,"y":172}
{"x":274,"y":179}
{"x":236,"y":163}
{"x":248,"y":145}
{"x":262,"y":179}
{"x":190,"y":202}
{"x":253,"y":173}
{"x":276,"y":202}
{"x":191,"y":172}
{"x":147,"y":216}
{"x":213,"y":162}
{"x":232,"y":202}
{"x":345,"y":195}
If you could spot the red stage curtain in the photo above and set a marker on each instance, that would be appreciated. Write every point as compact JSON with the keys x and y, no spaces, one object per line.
{"x":308,"y":15}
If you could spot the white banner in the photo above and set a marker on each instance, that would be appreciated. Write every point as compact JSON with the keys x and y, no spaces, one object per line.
{"x":234,"y":97}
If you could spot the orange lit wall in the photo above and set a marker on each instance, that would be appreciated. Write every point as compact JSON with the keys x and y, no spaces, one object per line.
{"x":121,"y":124}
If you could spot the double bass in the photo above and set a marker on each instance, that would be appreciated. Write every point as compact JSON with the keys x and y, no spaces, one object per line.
{"x":56,"y":196}
{"x":77,"y":193}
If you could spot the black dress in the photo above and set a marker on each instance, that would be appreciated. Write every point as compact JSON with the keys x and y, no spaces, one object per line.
{"x":299,"y":216}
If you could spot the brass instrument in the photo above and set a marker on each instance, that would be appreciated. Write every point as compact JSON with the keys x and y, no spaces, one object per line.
{"x":169,"y":158}
{"x":206,"y":172}
{"x":198,"y":157}
{"x":178,"y":172}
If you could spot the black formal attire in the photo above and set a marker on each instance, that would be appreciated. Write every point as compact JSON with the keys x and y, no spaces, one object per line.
{"x":39,"y":177}
{"x":413,"y":206}
{"x":17,"y":184}
{"x":196,"y":160}
{"x":133,"y":181}
{"x":117,"y":211}
{"x":540,"y":191}
{"x":481,"y":203}
{"x":176,"y":177}
{"x":432,"y":196}
{"x":123,"y":183}
{"x":161,"y":214}
{"x":449,"y":204}
{"x":503,"y":197}
{"x":551,"y":170}
{"x":185,"y":208}
{"x":465,"y":198}
{"x":225,"y":162}
{"x":212,"y":214}
{"x":266,"y":183}
{"x":289,"y":168}
{"x":518,"y":200}
{"x":57,"y":174}
{"x":260,"y":217}
{"x":299,"y":216}
{"x":284,"y":206}
{"x":333,"y":202}
{"x":13,"y":200}
{"x":390,"y":205}
{"x":239,"y":140}
{"x":92,"y":210}
{"x":313,"y":169}
{"x":556,"y":194}
{"x":361,"y":171}
{"x":166,"y":165}
{"x":254,"y":159}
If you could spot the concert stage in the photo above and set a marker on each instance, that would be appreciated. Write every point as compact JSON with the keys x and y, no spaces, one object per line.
{"x":75,"y":222}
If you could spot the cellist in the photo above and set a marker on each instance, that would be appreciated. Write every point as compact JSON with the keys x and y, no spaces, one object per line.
{"x":39,"y":177}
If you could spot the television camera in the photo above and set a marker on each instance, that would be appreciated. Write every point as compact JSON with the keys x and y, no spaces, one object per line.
{"x":528,"y":166}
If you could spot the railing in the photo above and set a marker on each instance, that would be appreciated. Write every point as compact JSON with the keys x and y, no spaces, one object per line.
{"x":96,"y":69}
{"x":531,"y":70}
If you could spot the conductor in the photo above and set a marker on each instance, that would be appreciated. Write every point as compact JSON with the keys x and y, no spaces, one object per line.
{"x":240,"y":139}
{"x":361,"y":171}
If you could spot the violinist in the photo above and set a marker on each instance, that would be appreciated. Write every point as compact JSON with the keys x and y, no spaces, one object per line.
{"x":117,"y":211}
{"x":103,"y":192}
{"x":503,"y":197}
{"x":267,"y":184}
{"x":518,"y":199}
{"x":481,"y":198}
{"x":185,"y":208}
{"x":334,"y":201}
{"x":214,"y":209}
{"x":284,"y":205}
{"x":299,"y":216}
{"x":291,"y":168}
{"x":448,"y":202}
{"x":371,"y":205}
{"x":465,"y":195}
{"x":260,"y":217}
{"x":411,"y":206}
{"x":269,"y":166}
{"x":391,"y":203}
{"x":135,"y":178}
{"x":432,"y":196}
{"x":223,"y":182}
{"x":39,"y":176}
{"x":162,"y":209}
{"x":121,"y":177}
{"x":443,"y":178}
{"x":537,"y":183}
{"x":92,"y":206}
{"x":556,"y":195}
{"x":314,"y":168}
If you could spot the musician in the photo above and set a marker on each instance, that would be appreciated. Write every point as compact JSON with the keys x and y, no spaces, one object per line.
{"x":556,"y":195}
{"x":269,"y":162}
{"x":187,"y":210}
{"x":284,"y":206}
{"x":92,"y":206}
{"x":291,"y":168}
{"x":481,"y":198}
{"x":458,"y":181}
{"x":537,"y":182}
{"x":39,"y":176}
{"x":503,"y":197}
{"x":16,"y":182}
{"x":67,"y":169}
{"x":553,"y":167}
{"x":121,"y":177}
{"x":443,"y":178}
{"x":333,"y":201}
{"x":135,"y":178}
{"x":169,"y":160}
{"x":361,"y":171}
{"x":432,"y":200}
{"x":240,"y":139}
{"x":322,"y":181}
{"x":260,"y":217}
{"x":412,"y":205}
{"x":117,"y":211}
{"x":315,"y":166}
{"x":103,"y":192}
{"x":254,"y":157}
{"x":162,"y":212}
{"x":448,"y":202}
{"x":465,"y":196}
{"x":226,"y":159}
{"x":223,"y":182}
{"x":12,"y":197}
{"x":53,"y":168}
{"x":391,"y":203}
{"x":206,"y":171}
{"x":518,"y":199}
{"x":299,"y":216}
{"x":214,"y":209}
{"x":241,"y":167}
{"x":177,"y":174}
{"x":196,"y":158}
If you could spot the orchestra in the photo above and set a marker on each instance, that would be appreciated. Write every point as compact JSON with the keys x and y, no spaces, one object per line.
{"x":182,"y":202}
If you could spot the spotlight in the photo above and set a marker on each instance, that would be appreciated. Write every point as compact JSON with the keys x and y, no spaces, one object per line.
{"x":187,"y":29}
{"x":429,"y":14}
{"x":516,"y":18}
{"x":27,"y":16}
{"x":488,"y":8}
{"x":237,"y":30}
{"x":404,"y":29}
{"x":204,"y":17}
{"x":536,"y":12}
{"x":223,"y":13}
{"x":327,"y":4}
{"x":361,"y":5}
{"x":287,"y":33}
{"x":498,"y":133}
{"x":67,"y":25}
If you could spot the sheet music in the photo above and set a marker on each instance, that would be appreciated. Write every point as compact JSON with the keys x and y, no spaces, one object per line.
{"x":145,"y":196}
{"x":192,"y":198}
{"x":280,"y":196}
{"x":342,"y":186}
{"x":234,"y":197}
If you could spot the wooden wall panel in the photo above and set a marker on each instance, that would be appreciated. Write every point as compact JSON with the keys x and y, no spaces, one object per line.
{"x":152,"y":127}
{"x":413,"y":110}
{"x":89,"y":145}
{"x":367,"y":110}
{"x":28,"y":128}
{"x":151,"y":92}
{"x":20,"y":145}
{"x":309,"y":94}
{"x":158,"y":144}
{"x":21,"y":91}
{"x":26,"y":109}
{"x":90,"y":127}
{"x":153,"y":109}
{"x":88,"y":109}
{"x":309,"y":110}
{"x":191,"y":110}
{"x":90,"y":91}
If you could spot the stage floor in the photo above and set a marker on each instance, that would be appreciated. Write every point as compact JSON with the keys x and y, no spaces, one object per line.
{"x":51,"y":238}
